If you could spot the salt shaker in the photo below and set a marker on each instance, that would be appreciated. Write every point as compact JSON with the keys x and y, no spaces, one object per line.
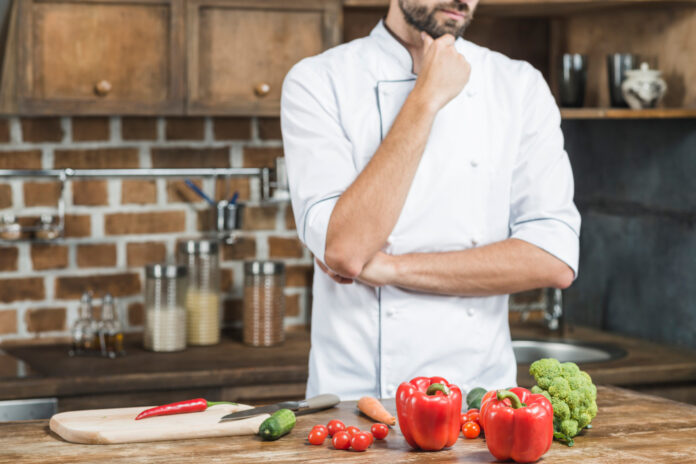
{"x":110,"y":334}
{"x":84,"y":333}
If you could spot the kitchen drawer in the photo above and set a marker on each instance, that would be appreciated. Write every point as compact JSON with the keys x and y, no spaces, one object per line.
{"x":239,"y":51}
{"x":100,"y":56}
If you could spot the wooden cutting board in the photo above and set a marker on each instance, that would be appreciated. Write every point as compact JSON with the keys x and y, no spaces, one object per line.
{"x":110,"y":426}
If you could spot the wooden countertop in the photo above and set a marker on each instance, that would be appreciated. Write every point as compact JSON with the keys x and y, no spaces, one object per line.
{"x":630,"y":427}
{"x":233,"y":364}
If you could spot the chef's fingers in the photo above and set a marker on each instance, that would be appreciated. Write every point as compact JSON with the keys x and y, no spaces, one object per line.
{"x":447,"y":39}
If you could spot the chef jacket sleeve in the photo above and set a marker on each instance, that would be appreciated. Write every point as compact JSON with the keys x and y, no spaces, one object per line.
{"x":542,"y":211}
{"x":318,"y":154}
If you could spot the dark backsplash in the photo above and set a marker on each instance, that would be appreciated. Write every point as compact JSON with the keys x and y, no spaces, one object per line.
{"x":635,"y":186}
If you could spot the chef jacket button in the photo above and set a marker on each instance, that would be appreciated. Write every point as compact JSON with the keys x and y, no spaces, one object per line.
{"x":474,"y":242}
{"x":391,"y":312}
{"x":470,"y":311}
{"x":474,"y":163}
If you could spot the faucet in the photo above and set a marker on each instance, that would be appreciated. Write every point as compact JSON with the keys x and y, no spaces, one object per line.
{"x":553,"y":311}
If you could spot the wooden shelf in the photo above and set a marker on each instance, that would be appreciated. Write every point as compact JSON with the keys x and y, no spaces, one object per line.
{"x":625,"y":113}
{"x":537,"y":7}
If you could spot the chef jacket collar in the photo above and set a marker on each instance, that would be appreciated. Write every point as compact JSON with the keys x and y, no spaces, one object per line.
{"x":401,"y":57}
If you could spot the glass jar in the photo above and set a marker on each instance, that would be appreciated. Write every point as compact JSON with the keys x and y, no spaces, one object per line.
{"x":264,"y":303}
{"x":165,"y":313}
{"x":203,"y":291}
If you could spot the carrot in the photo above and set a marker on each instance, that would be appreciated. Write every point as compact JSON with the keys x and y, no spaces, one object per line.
{"x":373,"y":409}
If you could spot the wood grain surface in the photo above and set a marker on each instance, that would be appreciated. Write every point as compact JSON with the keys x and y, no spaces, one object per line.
{"x":630,"y":428}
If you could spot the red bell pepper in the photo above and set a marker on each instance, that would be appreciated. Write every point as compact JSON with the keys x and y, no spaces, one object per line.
{"x":517,"y":423}
{"x":428,"y":409}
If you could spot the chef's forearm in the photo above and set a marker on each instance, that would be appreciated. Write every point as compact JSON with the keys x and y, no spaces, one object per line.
{"x":367,"y":211}
{"x":504,"y":267}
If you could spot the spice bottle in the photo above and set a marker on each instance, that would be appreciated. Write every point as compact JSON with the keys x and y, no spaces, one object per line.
{"x":9,"y":229}
{"x":203,"y":291}
{"x":110,"y":334}
{"x":84,"y":334}
{"x":264,"y":303}
{"x":46,"y":230}
{"x":165,"y":314}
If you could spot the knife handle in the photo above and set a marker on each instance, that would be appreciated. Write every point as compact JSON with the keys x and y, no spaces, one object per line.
{"x":322,"y":401}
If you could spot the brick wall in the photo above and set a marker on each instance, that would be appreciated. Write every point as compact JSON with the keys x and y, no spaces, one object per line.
{"x":116,"y":226}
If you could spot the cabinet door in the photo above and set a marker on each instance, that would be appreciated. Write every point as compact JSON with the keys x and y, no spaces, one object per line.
{"x":239,"y":51}
{"x":101,"y":56}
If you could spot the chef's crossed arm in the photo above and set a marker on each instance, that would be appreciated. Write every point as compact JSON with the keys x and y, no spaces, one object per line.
{"x":543,"y":243}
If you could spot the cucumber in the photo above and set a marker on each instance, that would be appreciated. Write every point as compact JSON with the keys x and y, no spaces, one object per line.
{"x":280,"y":423}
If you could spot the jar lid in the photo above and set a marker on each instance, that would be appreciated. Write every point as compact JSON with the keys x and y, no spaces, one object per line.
{"x":169,"y":271}
{"x":198,"y":247}
{"x":264,"y":267}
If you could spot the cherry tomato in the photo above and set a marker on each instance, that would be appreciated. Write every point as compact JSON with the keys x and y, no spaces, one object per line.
{"x":472,"y":416}
{"x":316,"y":436}
{"x":335,"y":426}
{"x":372,"y":437}
{"x":380,"y":431}
{"x":341,"y":440}
{"x":361,"y":441}
{"x":352,"y":430}
{"x":471,"y":429}
{"x":321,"y":427}
{"x":462,"y":419}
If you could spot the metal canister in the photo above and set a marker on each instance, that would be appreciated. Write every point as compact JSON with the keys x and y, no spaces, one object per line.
{"x":264,"y":303}
{"x":165,"y":314}
{"x":203,"y":292}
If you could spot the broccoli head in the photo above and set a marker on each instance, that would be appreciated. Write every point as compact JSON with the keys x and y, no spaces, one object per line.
{"x":572,"y":395}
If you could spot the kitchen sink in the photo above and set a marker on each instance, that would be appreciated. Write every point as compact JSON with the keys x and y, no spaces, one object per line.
{"x":528,"y":351}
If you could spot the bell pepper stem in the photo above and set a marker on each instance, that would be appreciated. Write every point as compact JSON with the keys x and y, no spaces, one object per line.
{"x":215,"y":403}
{"x":514,"y":399}
{"x":437,"y":387}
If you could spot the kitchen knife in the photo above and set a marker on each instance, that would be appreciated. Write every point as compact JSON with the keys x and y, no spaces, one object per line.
{"x":318,"y":402}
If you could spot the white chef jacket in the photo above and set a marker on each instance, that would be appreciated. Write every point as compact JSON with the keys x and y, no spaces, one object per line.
{"x":494,"y":167}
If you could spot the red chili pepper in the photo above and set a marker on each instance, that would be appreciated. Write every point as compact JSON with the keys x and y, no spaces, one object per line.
{"x":518,"y":424}
{"x":428,"y":410}
{"x":197,"y":405}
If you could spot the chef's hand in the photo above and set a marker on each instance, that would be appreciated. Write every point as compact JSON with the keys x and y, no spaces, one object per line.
{"x":332,"y":274}
{"x":443,"y":71}
{"x":379,"y":271}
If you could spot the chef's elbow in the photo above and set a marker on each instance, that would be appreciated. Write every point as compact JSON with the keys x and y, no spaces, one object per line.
{"x":563,"y":277}
{"x":342,"y":263}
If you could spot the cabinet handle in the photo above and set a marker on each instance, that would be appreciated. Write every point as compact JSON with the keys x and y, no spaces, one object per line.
{"x":262,"y":89}
{"x":102,"y":88}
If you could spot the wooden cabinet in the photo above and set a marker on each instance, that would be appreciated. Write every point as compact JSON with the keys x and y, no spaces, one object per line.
{"x":239,"y":51}
{"x":100,"y":56}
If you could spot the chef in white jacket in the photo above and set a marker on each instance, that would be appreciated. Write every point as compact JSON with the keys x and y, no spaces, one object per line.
{"x":429,"y":180}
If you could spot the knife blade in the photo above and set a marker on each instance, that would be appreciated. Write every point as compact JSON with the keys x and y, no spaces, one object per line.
{"x":318,"y":402}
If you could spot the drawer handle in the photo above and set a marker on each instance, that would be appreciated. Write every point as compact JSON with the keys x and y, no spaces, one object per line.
{"x":262,"y":89}
{"x":102,"y":88}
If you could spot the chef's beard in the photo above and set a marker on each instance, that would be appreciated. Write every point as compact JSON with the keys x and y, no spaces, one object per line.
{"x":423,"y":19}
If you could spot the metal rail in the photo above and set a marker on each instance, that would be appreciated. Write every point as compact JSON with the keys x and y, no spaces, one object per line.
{"x":141,"y":172}
{"x":63,"y":175}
